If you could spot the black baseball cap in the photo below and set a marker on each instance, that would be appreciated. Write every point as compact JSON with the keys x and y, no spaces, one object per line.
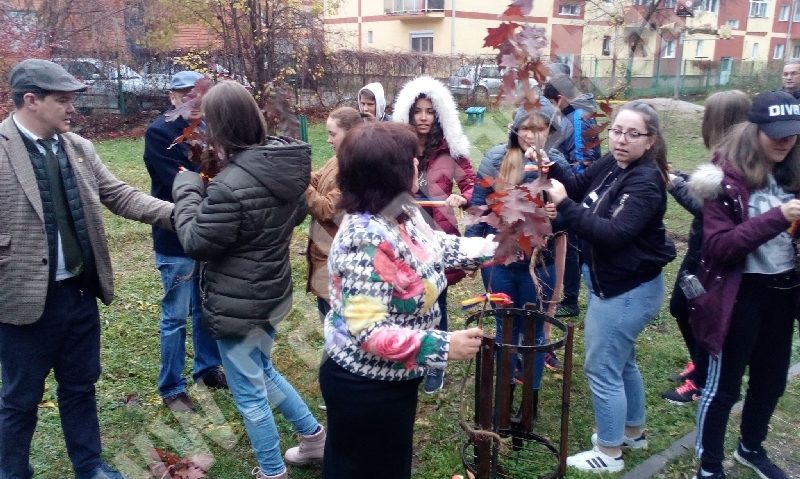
{"x":776,"y":113}
{"x":36,"y":74}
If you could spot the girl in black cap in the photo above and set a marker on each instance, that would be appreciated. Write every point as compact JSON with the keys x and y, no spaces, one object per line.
{"x":749,"y":278}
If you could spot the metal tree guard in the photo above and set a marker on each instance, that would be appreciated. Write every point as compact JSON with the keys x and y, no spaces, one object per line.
{"x":486,"y":454}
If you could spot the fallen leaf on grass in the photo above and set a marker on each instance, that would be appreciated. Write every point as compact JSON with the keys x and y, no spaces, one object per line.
{"x":166,"y":465}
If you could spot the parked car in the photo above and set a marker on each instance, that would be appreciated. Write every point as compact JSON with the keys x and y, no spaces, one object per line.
{"x":481,"y":82}
{"x":115,"y":86}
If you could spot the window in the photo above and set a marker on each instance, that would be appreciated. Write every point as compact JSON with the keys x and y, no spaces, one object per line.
{"x":606,"y":45}
{"x":778,"y":51}
{"x":733,"y":24}
{"x":783,"y":15}
{"x":708,"y":6}
{"x":797,"y":15}
{"x":669,"y":3}
{"x":668,"y":49}
{"x":698,"y":51}
{"x":758,"y":9}
{"x":641,"y":2}
{"x":568,"y":9}
{"x":422,"y":42}
{"x":369,"y":36}
{"x":754,"y":51}
{"x":796,"y":51}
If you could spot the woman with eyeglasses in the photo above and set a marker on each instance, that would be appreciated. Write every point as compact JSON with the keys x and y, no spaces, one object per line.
{"x":617,"y":208}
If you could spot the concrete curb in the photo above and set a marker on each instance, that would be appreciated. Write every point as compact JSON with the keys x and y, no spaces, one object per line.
{"x":657,"y":462}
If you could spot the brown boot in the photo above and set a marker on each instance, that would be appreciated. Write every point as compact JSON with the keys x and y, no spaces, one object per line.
{"x":309,"y":451}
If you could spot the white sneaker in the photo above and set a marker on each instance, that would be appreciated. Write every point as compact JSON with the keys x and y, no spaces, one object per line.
{"x":628,"y":442}
{"x":596,"y":461}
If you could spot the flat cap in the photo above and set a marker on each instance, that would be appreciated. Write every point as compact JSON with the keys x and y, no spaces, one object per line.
{"x":36,"y":74}
{"x":185,"y":79}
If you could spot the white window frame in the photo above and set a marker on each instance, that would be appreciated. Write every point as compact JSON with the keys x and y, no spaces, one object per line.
{"x":758,"y":9}
{"x":733,"y":24}
{"x":569,"y":9}
{"x":708,"y":6}
{"x":754,"y":51}
{"x":796,"y":51}
{"x":606,"y":48}
{"x":668,"y":48}
{"x":370,"y":36}
{"x":698,"y":49}
{"x":783,"y":13}
{"x":779,"y":50}
{"x":420,"y":35}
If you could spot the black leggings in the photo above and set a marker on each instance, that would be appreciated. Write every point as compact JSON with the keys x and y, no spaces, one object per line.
{"x":760,"y":337}
{"x":370,"y":425}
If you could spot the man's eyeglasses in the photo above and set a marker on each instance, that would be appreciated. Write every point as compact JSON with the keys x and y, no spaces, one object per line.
{"x":631,"y":135}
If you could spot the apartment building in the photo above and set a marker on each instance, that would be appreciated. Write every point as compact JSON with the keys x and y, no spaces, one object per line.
{"x":594,"y":36}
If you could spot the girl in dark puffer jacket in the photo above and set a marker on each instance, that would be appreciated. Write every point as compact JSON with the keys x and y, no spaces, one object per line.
{"x":240,"y":225}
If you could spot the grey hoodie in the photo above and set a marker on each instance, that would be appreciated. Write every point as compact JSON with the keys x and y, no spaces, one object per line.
{"x":380,"y":100}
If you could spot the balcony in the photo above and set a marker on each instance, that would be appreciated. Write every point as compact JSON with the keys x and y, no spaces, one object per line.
{"x":410,"y":9}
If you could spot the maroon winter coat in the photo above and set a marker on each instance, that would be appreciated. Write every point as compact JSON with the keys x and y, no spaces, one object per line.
{"x":443,"y":171}
{"x":729,"y":235}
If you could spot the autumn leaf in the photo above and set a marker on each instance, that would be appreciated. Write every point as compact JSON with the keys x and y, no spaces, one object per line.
{"x":605,"y":106}
{"x":532,"y":41}
{"x":166,"y":465}
{"x":513,"y":11}
{"x":524,"y":5}
{"x":498,"y":35}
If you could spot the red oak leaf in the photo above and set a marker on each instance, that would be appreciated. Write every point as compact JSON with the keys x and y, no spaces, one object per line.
{"x":498,"y":35}
{"x":606,"y":107}
{"x":525,"y":5}
{"x":513,"y":11}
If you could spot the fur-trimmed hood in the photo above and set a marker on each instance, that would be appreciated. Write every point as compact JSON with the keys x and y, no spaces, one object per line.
{"x":706,"y":182}
{"x":445,"y":108}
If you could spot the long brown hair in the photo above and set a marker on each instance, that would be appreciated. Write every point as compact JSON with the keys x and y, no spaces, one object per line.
{"x":723,"y":110}
{"x":740,"y":149}
{"x":658,"y":152}
{"x":233,"y":118}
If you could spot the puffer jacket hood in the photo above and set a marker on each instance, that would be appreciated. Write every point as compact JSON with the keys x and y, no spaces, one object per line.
{"x":545,"y":110}
{"x":585,"y":101}
{"x":280,"y":154}
{"x":444,"y":105}
{"x":380,"y":99}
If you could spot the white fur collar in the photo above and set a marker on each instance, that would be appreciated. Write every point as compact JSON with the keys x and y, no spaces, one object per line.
{"x":706,"y":182}
{"x":444,"y":105}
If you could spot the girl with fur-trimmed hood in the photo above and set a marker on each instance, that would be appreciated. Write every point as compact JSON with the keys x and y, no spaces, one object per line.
{"x":443,"y":154}
{"x":750,"y":272}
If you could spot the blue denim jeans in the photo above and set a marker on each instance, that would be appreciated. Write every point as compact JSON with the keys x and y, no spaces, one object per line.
{"x":612,"y":326}
{"x":255,"y":383}
{"x":515,"y":280}
{"x":182,"y":299}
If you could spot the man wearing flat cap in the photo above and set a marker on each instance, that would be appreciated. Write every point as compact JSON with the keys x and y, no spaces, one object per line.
{"x":54,"y":263}
{"x":179,"y":274}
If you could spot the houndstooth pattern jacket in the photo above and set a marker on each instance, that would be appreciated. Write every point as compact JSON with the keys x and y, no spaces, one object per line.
{"x":385,"y":279}
{"x":23,"y":241}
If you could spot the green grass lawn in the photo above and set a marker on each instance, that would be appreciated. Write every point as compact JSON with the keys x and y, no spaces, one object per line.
{"x":133,"y":419}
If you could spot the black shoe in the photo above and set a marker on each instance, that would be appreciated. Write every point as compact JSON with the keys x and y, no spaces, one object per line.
{"x":180,"y":402}
{"x":103,"y":471}
{"x":552,"y":362}
{"x":758,"y":461}
{"x":214,"y":380}
{"x":565,"y":311}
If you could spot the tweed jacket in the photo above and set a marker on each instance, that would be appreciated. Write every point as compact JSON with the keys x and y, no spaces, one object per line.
{"x":24,"y":272}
